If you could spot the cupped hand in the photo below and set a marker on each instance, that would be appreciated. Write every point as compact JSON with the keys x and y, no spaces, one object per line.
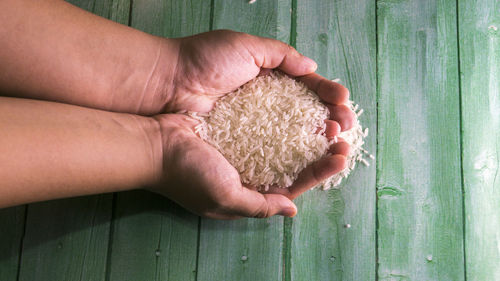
{"x":199,"y":178}
{"x":196,"y":175}
{"x":212,"y":64}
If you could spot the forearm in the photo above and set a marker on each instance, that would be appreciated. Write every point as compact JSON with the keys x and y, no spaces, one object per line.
{"x":50,"y":150}
{"x":55,"y":51}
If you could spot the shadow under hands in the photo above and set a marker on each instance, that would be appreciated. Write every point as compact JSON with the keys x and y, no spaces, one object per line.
{"x":51,"y":225}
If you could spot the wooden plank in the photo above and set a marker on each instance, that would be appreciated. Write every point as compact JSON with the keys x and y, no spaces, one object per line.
{"x":11,"y":235}
{"x":247,"y":249}
{"x":170,"y":18}
{"x":68,"y":239}
{"x":340,"y":36}
{"x":263,"y":18}
{"x":420,"y":229}
{"x":479,"y":24}
{"x":153,"y":238}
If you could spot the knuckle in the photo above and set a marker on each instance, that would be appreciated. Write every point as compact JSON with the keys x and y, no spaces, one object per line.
{"x":225,"y":200}
{"x":290,"y":50}
{"x":315,"y":174}
{"x":262,"y":211}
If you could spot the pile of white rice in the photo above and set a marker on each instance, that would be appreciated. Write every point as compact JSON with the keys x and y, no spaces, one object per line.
{"x":271,"y":128}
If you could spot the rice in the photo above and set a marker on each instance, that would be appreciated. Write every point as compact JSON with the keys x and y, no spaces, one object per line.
{"x":271,"y":128}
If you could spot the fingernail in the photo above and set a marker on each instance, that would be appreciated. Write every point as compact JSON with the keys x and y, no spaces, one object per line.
{"x":311,"y":64}
{"x":288,"y":212}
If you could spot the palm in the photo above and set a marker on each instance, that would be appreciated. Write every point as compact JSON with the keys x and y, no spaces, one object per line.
{"x":213,"y":64}
{"x":199,"y":178}
{"x":193,"y":167}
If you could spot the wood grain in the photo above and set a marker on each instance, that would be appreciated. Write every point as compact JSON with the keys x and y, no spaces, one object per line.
{"x":420,"y":230}
{"x":340,"y":36}
{"x":247,"y":249}
{"x":68,"y":239}
{"x":263,"y":18}
{"x":479,"y":40}
{"x":12,"y":221}
{"x":414,"y":232}
{"x":153,"y":238}
{"x":170,"y":18}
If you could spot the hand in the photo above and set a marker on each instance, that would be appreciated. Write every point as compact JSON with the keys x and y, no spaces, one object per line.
{"x":199,"y":178}
{"x":212,"y":64}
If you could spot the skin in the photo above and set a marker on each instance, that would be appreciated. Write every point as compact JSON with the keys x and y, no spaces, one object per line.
{"x":54,"y":51}
{"x":51,"y":150}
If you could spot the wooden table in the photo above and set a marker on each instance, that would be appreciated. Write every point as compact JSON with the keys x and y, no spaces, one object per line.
{"x":426,"y":73}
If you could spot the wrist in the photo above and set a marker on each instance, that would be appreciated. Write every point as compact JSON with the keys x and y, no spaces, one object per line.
{"x":172,"y":136}
{"x":150,"y":133}
{"x":158,"y":81}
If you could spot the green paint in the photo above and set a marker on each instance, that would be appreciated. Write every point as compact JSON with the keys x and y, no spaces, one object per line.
{"x":12,"y":221}
{"x":66,"y":239}
{"x":170,"y":18}
{"x":388,"y":191}
{"x":479,"y":34}
{"x":247,"y":249}
{"x":340,"y":36}
{"x":259,"y":241}
{"x":153,"y":238}
{"x":418,"y":167}
{"x":414,"y":82}
{"x":263,"y":18}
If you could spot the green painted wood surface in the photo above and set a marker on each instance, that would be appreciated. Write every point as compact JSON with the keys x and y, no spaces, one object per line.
{"x":420,"y":228}
{"x":408,"y":225}
{"x":340,"y":36}
{"x":248,"y":249}
{"x":153,"y":238}
{"x":171,"y":18}
{"x":12,"y":221}
{"x":66,"y":239}
{"x":479,"y":24}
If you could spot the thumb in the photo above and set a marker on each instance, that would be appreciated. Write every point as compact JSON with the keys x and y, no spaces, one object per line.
{"x":271,"y":53}
{"x":250,"y":203}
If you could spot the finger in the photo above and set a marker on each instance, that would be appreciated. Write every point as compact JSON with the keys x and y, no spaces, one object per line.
{"x":271,"y":53}
{"x":332,"y":129}
{"x":277,"y":190}
{"x":251,"y":187}
{"x":316,"y":173}
{"x":340,"y":139}
{"x":329,"y":91}
{"x":343,"y":115}
{"x":340,"y":147}
{"x":250,"y":203}
{"x":337,"y":147}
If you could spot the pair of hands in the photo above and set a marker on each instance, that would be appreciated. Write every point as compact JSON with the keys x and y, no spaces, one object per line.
{"x":208,"y":66}
{"x":54,"y":51}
